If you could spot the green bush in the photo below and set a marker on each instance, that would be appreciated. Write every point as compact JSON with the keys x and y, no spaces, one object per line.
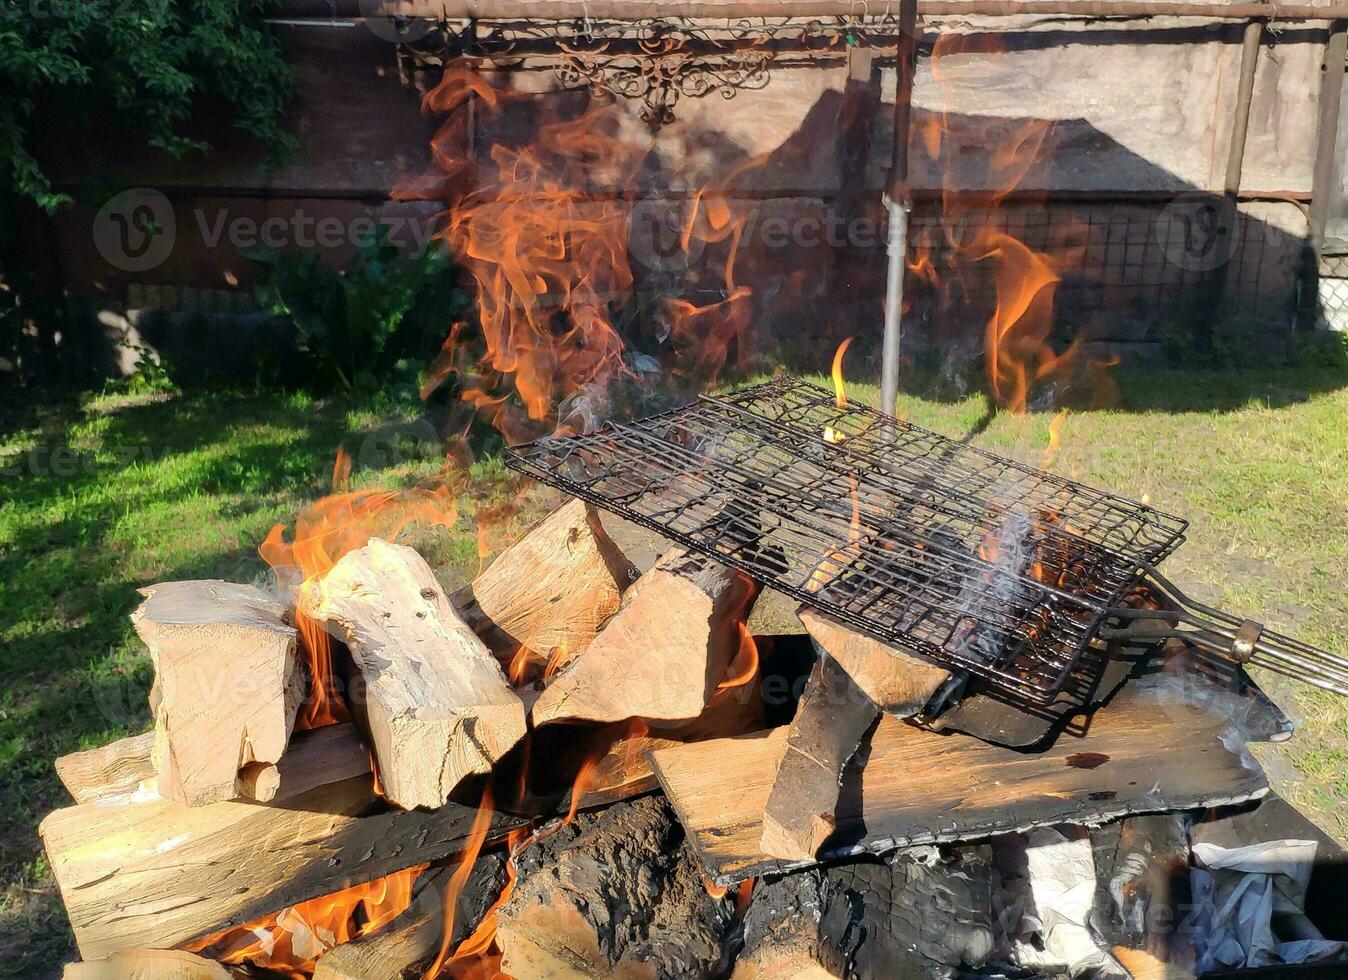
{"x":375,"y":324}
{"x":138,"y":63}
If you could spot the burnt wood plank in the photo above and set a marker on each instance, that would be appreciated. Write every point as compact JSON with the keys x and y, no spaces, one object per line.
{"x":1147,"y":753}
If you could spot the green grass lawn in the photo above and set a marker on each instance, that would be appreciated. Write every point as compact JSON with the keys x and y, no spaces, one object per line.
{"x":118,"y":492}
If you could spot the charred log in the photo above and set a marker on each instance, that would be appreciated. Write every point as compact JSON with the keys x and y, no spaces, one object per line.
{"x":616,"y":893}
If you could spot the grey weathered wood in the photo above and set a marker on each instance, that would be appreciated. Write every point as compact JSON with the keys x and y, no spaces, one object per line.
{"x":433,"y":700}
{"x":617,"y":893}
{"x":893,"y":918}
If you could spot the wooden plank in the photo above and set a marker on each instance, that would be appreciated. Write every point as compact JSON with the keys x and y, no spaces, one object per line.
{"x":149,"y":964}
{"x":1146,"y":752}
{"x":430,"y":695}
{"x":414,"y":935}
{"x":109,"y":770}
{"x":140,"y":871}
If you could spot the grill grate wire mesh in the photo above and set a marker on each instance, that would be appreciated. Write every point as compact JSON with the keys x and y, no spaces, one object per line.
{"x":975,"y":561}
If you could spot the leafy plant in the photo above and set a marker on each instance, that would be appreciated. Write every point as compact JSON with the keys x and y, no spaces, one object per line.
{"x":380,"y":319}
{"x":139,"y":63}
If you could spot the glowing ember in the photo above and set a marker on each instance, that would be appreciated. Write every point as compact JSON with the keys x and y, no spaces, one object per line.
{"x":292,"y":940}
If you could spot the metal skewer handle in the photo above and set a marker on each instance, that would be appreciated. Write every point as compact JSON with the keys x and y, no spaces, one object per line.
{"x":1243,"y":640}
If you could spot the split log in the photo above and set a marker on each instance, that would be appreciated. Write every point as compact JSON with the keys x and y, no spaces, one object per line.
{"x":227,"y":683}
{"x":139,"y":872}
{"x":429,"y":693}
{"x":149,"y":964}
{"x":895,"y":918}
{"x":331,"y":754}
{"x":831,"y":722}
{"x":110,"y":770}
{"x":1146,"y":753}
{"x":551,"y":590}
{"x":664,"y":653}
{"x":415,"y":935}
{"x":899,"y":682}
{"x":616,"y":893}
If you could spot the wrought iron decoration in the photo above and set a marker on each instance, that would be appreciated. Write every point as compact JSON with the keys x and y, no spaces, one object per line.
{"x":659,"y":61}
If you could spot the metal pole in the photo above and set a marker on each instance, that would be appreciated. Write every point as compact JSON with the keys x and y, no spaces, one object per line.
{"x":898,"y":204}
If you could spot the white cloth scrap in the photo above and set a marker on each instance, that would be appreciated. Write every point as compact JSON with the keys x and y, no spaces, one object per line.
{"x":1238,"y":891}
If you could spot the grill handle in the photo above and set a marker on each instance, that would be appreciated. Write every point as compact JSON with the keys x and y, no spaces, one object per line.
{"x":1244,"y":641}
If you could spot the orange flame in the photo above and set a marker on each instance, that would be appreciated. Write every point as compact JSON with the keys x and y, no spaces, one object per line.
{"x":292,"y":940}
{"x":544,"y":228}
{"x":1054,"y":440}
{"x":839,"y":388}
{"x":325,"y":532}
{"x":1018,"y":353}
{"x":477,"y":836}
{"x":744,"y":667}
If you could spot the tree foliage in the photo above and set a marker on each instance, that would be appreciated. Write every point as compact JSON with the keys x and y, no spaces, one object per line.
{"x":141,"y":64}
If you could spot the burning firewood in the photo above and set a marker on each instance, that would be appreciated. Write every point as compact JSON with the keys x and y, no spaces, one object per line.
{"x":415,"y":935}
{"x":664,"y":653}
{"x":833,"y":718}
{"x":109,"y":770}
{"x":429,"y":693}
{"x":141,"y":871}
{"x":897,"y":681}
{"x":550,"y":591}
{"x":1146,"y":752}
{"x":227,"y":684}
{"x":895,"y":918}
{"x":617,"y":893}
{"x":149,"y":964}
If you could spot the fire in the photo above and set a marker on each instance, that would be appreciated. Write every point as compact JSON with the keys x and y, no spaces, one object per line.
{"x":1019,"y":356}
{"x":839,"y":390}
{"x":478,"y":957}
{"x":744,"y":667}
{"x":292,"y":940}
{"x":545,"y":229}
{"x":1054,"y":440}
{"x":839,"y":387}
{"x":325,"y":532}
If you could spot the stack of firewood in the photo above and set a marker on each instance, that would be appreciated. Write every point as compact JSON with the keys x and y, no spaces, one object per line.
{"x":225,"y":813}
